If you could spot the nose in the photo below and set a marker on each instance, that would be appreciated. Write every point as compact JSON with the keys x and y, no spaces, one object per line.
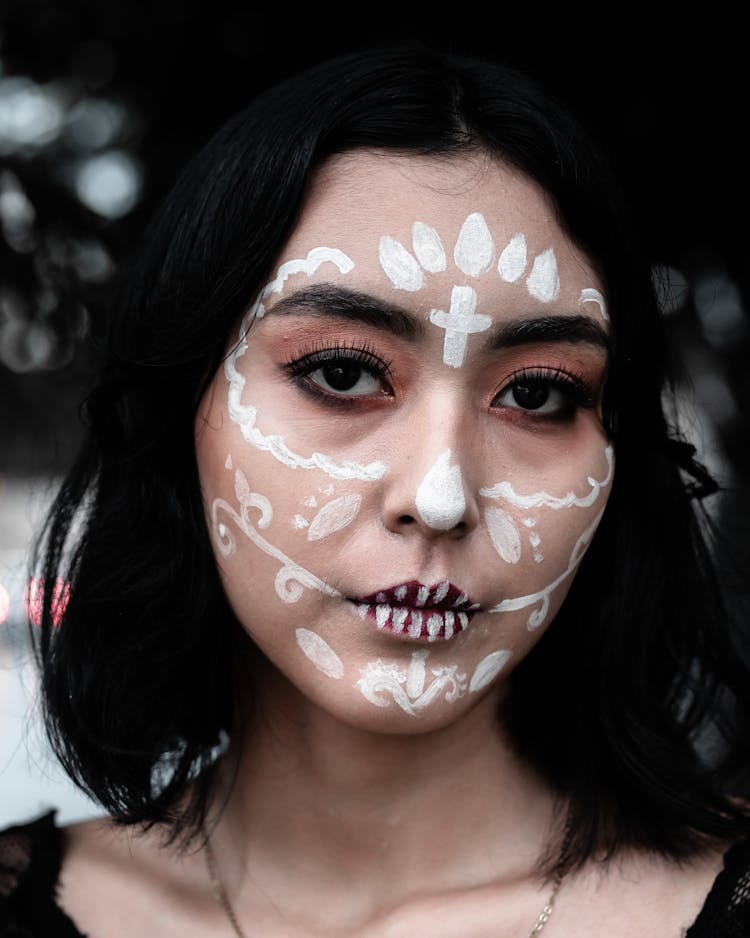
{"x":431,"y":495}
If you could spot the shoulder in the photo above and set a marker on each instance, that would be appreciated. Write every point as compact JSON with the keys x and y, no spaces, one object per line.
{"x":652,"y":896}
{"x":726,"y":910}
{"x":30,"y":855}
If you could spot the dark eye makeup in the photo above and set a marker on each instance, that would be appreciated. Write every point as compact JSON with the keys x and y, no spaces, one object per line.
{"x":349,"y":375}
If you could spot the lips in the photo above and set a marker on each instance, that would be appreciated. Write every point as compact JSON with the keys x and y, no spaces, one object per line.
{"x":436,"y":613}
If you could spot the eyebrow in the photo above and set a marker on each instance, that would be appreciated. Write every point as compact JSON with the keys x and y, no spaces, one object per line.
{"x":328,"y":300}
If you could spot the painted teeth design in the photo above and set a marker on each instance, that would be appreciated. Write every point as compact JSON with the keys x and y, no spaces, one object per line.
{"x":422,"y":595}
{"x":448,"y":625}
{"x":441,"y":591}
{"x":401,"y":592}
{"x":461,"y":600}
{"x":363,"y":609}
{"x":434,"y":624}
{"x":382,"y":614}
{"x":380,"y":598}
{"x":463,"y":620}
{"x":415,"y":626}
{"x":399,"y":618}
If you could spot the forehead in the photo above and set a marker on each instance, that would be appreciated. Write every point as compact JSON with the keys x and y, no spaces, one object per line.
{"x":354,"y":199}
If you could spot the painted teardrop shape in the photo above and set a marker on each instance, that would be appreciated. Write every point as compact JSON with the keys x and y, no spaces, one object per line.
{"x":334,"y":516}
{"x":474,"y":247}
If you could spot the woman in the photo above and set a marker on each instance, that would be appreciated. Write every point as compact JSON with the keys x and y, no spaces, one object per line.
{"x":390,"y":613}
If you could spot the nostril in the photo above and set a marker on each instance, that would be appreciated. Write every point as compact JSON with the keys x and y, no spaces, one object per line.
{"x":406,"y":519}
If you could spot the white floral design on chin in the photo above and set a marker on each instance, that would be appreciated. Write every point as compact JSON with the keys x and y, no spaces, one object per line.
{"x":383,"y":683}
{"x":473,"y":255}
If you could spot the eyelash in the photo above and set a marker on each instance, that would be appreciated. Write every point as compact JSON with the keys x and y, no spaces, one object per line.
{"x":313,"y":357}
{"x":576,"y":390}
{"x":574,"y":387}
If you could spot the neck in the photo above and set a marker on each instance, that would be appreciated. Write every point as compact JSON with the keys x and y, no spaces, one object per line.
{"x":327,"y":802}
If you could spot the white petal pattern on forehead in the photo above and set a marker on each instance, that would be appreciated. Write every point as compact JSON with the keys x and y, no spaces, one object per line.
{"x":543,"y":283}
{"x":512,"y":261}
{"x":402,"y":269}
{"x":428,"y":247}
{"x":504,"y":534}
{"x":474,"y":247}
{"x":590,"y":295}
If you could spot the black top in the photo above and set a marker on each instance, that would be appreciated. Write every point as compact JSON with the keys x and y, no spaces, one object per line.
{"x":30,"y":856}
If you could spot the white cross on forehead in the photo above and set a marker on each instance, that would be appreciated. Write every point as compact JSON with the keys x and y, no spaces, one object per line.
{"x":473,"y":255}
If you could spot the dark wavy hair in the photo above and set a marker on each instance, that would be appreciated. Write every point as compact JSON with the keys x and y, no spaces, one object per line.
{"x":633,"y":706}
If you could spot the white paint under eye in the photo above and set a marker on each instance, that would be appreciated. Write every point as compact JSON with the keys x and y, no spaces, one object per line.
{"x":299,"y":522}
{"x":334,"y":516}
{"x":245,"y":415}
{"x":428,"y":247}
{"x":512,"y":262}
{"x":459,"y":323}
{"x":505,"y":491}
{"x":590,"y":295}
{"x":440,"y":497}
{"x":488,"y":669}
{"x":474,"y":247}
{"x":228,"y":462}
{"x":320,"y":653}
{"x":504,"y":534}
{"x":543,"y":283}
{"x":401,"y":268}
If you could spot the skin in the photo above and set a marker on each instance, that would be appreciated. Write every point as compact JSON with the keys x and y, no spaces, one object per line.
{"x":381,"y":820}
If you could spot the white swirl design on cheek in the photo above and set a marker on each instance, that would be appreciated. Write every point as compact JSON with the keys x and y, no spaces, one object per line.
{"x":334,"y":516}
{"x":291,"y":578}
{"x":505,"y":491}
{"x":538,"y":616}
{"x":405,"y":688}
{"x":244,"y":415}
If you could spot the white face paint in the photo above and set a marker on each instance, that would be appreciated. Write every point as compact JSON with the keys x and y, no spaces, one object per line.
{"x":440,"y":496}
{"x":415,"y":447}
{"x":320,"y":653}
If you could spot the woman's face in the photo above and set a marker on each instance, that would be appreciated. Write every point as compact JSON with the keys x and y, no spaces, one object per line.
{"x":402,"y":461}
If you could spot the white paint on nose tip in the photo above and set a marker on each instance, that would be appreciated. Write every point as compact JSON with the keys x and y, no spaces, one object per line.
{"x":440,"y":496}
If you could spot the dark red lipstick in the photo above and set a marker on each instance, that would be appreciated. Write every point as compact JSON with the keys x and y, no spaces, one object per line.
{"x":415,"y":610}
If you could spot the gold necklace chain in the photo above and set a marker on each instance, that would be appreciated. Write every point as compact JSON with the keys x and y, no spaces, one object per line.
{"x":223,"y":900}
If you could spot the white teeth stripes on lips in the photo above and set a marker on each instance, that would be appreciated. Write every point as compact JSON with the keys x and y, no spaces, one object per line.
{"x":435,"y":612}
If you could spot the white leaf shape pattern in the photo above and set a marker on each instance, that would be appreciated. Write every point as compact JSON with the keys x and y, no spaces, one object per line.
{"x":474,"y":247}
{"x":504,"y":534}
{"x":402,"y":269}
{"x":428,"y":247}
{"x":512,"y":262}
{"x":543,"y":282}
{"x":334,"y":516}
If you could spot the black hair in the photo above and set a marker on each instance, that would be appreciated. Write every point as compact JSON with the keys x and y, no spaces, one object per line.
{"x":640,"y":670}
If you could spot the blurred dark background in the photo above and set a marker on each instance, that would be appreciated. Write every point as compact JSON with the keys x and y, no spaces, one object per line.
{"x":103,"y":101}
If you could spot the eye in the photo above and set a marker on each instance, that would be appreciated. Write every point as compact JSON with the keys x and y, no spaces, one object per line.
{"x":345,"y":376}
{"x":340,"y":373}
{"x":545,"y":394}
